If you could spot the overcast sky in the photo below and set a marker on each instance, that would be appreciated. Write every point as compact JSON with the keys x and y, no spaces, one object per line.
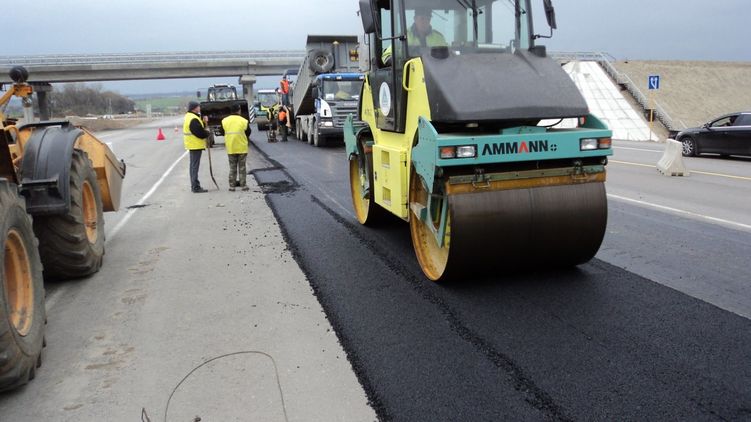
{"x":626,"y":29}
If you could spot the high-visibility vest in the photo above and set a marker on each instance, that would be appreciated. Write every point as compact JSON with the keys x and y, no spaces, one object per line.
{"x":433,"y":39}
{"x":285,"y":86}
{"x":189,"y":140}
{"x":283,"y":116}
{"x":235,"y":139}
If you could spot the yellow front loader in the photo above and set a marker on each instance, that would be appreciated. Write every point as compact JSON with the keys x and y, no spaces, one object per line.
{"x":56,"y":180}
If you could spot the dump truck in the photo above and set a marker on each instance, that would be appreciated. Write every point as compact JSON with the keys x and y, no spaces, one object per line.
{"x":327,"y":88}
{"x":56,"y":180}
{"x":220,"y":99}
{"x":265,"y":100}
{"x":461,"y":142}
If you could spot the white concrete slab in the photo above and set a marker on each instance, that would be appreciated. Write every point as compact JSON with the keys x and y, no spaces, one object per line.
{"x":607,"y":103}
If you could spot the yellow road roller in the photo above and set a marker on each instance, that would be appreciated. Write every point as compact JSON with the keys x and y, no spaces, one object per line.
{"x":477,"y":138}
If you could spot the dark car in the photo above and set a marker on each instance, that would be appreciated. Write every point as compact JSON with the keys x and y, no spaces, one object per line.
{"x":726,"y":135}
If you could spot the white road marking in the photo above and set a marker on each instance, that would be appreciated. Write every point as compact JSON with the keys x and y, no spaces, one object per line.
{"x":640,"y":149}
{"x":148,"y":194}
{"x":722,"y":221}
{"x":707,"y":173}
{"x":730,"y":176}
{"x":632,"y":164}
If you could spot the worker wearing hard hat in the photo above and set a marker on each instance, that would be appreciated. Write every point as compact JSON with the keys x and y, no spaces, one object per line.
{"x":194,"y":135}
{"x":236,"y":133}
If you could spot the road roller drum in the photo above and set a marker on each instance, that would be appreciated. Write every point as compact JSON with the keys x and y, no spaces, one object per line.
{"x":510,"y":230}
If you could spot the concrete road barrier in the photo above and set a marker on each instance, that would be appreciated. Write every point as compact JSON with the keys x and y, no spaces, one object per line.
{"x":671,"y":163}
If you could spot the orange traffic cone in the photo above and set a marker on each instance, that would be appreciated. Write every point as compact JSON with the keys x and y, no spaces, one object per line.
{"x":160,"y":135}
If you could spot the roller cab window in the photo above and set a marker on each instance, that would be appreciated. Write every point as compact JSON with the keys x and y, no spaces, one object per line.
{"x":267,"y":99}
{"x":465,"y":26}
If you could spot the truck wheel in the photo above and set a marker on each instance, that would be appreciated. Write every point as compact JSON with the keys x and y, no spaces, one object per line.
{"x":321,"y":61}
{"x":22,"y":311}
{"x":309,"y":135}
{"x":298,"y":131}
{"x":318,"y":140}
{"x":72,"y":245}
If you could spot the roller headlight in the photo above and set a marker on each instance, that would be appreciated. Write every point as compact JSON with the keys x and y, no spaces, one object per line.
{"x":588,"y":144}
{"x":463,"y":151}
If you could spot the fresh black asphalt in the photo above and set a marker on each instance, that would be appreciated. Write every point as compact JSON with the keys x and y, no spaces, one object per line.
{"x":595,"y":342}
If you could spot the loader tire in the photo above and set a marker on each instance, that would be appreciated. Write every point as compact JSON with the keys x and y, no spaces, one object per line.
{"x":22,"y":313}
{"x":321,"y":61}
{"x":72,"y":245}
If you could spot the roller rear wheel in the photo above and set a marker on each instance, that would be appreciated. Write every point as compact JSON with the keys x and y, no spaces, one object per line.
{"x":366,"y":210}
{"x":433,"y":259}
{"x":72,"y":245}
{"x":22,"y":310}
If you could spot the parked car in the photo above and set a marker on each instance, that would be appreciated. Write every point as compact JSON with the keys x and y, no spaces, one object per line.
{"x":726,"y":135}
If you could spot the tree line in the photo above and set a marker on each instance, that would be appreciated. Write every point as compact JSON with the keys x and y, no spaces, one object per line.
{"x":79,"y":99}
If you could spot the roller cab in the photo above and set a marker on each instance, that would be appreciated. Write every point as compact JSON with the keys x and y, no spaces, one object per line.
{"x":462,"y":142}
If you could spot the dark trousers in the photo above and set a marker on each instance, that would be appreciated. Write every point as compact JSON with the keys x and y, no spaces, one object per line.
{"x":284,"y":129}
{"x":237,"y":168}
{"x":195,"y":162}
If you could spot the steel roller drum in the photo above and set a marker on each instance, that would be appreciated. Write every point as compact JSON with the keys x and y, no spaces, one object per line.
{"x":518,"y":229}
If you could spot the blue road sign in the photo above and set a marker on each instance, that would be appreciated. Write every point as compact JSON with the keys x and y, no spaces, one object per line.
{"x":654,"y":82}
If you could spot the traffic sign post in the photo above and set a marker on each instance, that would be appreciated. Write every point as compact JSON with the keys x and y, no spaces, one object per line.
{"x":653,"y":83}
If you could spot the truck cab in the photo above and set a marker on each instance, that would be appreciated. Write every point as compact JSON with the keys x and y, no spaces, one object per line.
{"x":337,"y":95}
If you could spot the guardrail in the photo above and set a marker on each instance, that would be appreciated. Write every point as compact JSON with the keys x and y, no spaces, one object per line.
{"x":606,"y":62}
{"x":71,"y":59}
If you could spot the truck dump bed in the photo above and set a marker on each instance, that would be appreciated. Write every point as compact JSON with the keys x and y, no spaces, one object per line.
{"x":325,"y":54}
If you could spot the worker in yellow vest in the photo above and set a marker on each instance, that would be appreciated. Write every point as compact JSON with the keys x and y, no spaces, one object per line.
{"x":420,"y":34}
{"x":194,"y":135}
{"x":236,"y":133}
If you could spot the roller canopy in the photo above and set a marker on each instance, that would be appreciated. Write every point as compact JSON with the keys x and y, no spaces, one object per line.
{"x":500,"y":87}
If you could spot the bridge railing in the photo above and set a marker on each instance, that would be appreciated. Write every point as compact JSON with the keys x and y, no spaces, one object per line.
{"x":93,"y":59}
{"x":606,"y":62}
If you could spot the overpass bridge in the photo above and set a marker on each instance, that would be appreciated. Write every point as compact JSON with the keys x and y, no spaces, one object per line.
{"x":246,"y":65}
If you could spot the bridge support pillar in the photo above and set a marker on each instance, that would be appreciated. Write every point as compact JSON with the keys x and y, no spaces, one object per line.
{"x":247,"y":82}
{"x":41,"y":89}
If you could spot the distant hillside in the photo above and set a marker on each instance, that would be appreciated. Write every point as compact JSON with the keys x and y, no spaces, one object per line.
{"x":137,"y":97}
{"x":694,"y":92}
{"x":163,"y":103}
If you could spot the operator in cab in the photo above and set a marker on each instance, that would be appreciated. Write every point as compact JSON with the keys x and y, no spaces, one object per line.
{"x":420,"y":34}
